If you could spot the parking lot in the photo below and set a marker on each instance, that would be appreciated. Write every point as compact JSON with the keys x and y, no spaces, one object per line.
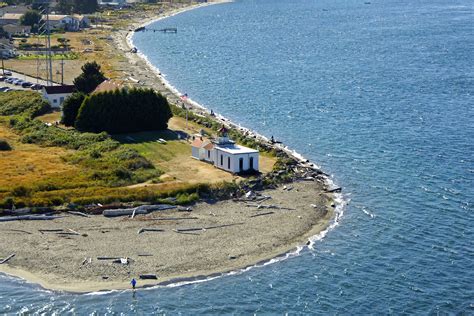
{"x":15,"y":81}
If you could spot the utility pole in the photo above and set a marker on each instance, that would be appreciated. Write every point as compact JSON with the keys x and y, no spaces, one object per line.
{"x":62,"y":71}
{"x":50,"y":62}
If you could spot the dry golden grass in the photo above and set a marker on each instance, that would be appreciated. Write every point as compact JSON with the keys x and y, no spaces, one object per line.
{"x":28,"y":164}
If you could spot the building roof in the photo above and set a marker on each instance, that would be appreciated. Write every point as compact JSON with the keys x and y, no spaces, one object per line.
{"x":106,"y":86}
{"x":56,"y":17}
{"x":11,"y":16}
{"x":59,"y":89}
{"x":197,"y":142}
{"x":52,"y":17}
{"x":15,"y":28}
{"x":208,"y":146}
{"x":79,"y":17}
{"x":234,"y":149}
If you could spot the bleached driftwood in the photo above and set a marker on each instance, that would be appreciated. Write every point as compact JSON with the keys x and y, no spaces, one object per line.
{"x":19,"y":230}
{"x":78,"y":213}
{"x":271,"y":206}
{"x":7,"y":258}
{"x":180,"y":230}
{"x":262,"y":214}
{"x":173,"y":218}
{"x":42,"y":231}
{"x":29,"y":218}
{"x":144,"y":209}
{"x":86,"y":260}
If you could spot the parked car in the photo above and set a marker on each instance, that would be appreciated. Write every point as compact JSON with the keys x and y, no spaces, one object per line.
{"x":2,"y":78}
{"x":18,"y":82}
{"x":10,"y":80}
{"x":7,"y":73}
{"x":36,"y":87}
{"x":5,"y":89}
{"x":26,"y":84}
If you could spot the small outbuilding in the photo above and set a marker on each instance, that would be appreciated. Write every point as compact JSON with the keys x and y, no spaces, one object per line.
{"x":56,"y":95}
{"x":224,"y":154}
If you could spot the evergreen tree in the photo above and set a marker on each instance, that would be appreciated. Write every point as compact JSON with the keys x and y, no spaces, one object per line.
{"x":123,"y":111}
{"x":90,"y":78}
{"x":71,"y":107}
{"x":30,"y":18}
{"x":85,"y":6}
{"x":65,"y":6}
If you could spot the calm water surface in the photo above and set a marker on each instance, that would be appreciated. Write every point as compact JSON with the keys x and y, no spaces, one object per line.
{"x":381,"y":95}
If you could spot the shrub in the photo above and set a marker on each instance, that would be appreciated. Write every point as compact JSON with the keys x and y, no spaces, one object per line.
{"x":21,"y":191}
{"x":71,"y":107}
{"x":29,"y":103}
{"x":123,"y":111}
{"x":4,"y":145}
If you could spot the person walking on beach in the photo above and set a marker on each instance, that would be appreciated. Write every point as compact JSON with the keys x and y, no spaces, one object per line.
{"x":133,"y":282}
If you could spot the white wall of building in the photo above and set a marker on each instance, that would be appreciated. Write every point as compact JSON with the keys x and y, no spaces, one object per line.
{"x":195,"y":152}
{"x":231,"y":162}
{"x":56,"y":100}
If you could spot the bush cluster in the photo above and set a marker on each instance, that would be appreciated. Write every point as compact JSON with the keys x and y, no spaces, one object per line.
{"x":28,"y":103}
{"x":4,"y":145}
{"x":123,"y":111}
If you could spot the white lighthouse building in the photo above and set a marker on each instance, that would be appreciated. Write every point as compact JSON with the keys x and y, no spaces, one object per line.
{"x":223,"y":153}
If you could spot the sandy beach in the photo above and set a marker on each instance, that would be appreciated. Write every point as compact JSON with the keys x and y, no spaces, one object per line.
{"x":69,"y":262}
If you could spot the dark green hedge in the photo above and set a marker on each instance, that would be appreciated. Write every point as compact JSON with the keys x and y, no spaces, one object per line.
{"x":124,"y":111}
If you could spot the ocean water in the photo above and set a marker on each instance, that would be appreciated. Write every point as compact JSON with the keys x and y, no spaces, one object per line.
{"x":381,"y":95}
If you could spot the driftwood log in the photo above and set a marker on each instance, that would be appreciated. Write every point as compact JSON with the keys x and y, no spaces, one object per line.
{"x":78,"y":213}
{"x":28,"y":218}
{"x":7,"y":258}
{"x":142,"y":230}
{"x":181,"y":230}
{"x":144,"y":209}
{"x":263,"y":214}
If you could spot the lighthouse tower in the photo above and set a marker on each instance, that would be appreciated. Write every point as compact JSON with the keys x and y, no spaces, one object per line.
{"x":223,"y":136}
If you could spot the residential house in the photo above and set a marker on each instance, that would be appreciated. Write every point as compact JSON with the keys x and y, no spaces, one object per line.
{"x":56,"y":95}
{"x":16,"y":30}
{"x":84,"y":22}
{"x":56,"y":21}
{"x":10,"y":18}
{"x":113,"y":3}
{"x":225,"y":154}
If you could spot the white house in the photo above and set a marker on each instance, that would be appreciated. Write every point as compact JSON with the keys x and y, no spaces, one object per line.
{"x":56,"y":21}
{"x":56,"y":95}
{"x":115,"y":3}
{"x":225,"y":154}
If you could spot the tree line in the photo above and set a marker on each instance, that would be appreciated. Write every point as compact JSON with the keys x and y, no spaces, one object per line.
{"x":119,"y":111}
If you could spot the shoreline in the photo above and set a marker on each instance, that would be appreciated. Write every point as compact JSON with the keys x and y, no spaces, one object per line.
{"x":289,"y":249}
{"x":54,"y":262}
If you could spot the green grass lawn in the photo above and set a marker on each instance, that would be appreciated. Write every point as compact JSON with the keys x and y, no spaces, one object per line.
{"x":147,"y":144}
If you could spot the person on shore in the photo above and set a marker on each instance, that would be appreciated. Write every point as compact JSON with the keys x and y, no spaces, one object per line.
{"x":272,"y":140}
{"x":133,"y":282}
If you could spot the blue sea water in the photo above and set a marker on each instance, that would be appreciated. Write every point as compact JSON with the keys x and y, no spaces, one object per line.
{"x":381,"y":95}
